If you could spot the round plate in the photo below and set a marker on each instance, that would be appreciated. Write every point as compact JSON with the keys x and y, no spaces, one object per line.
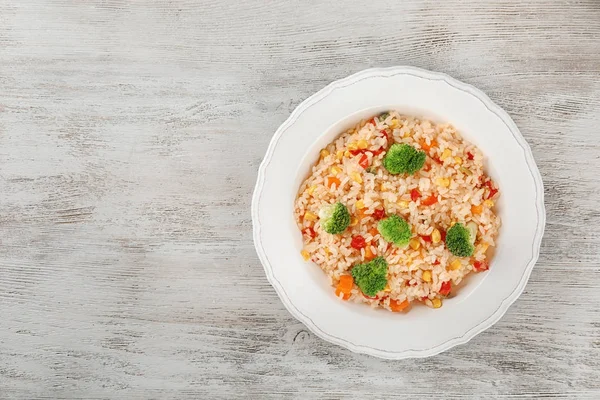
{"x":303,"y":287}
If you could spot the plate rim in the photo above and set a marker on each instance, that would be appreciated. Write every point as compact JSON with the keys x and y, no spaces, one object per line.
{"x":504,"y":304}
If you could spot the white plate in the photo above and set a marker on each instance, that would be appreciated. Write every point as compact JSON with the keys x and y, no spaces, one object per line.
{"x":303,"y":287}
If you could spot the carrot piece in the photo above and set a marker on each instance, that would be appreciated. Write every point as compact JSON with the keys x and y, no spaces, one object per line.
{"x":373,"y":231}
{"x":397,"y":307}
{"x":331,"y":180}
{"x":477,"y":209}
{"x":368,"y":253}
{"x":345,"y":296}
{"x":346,"y":283}
{"x":424,"y":145}
{"x":431,"y":200}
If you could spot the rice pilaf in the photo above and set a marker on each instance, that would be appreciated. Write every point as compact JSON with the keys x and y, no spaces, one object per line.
{"x":450,"y":188}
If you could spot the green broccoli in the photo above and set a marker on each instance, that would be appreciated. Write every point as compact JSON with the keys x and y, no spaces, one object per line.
{"x":383,"y":116}
{"x":335,"y":218}
{"x":395,"y":229}
{"x":403,"y":158}
{"x":459,"y":241}
{"x":371,"y":277}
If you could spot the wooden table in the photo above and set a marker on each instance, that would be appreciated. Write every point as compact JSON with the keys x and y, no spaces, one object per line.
{"x":130,"y":137}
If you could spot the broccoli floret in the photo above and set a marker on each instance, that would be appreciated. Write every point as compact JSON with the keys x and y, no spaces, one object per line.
{"x":335,"y":218}
{"x":395,"y":229}
{"x":403,"y":158}
{"x":458,"y":241}
{"x":383,"y":116}
{"x":371,"y":277}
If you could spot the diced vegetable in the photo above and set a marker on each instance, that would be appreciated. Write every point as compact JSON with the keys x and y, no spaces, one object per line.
{"x":369,"y":253}
{"x":355,"y":176}
{"x":445,"y":154}
{"x":454,"y":265}
{"x":378,"y":213}
{"x":414,"y":244}
{"x":470,"y":155}
{"x":384,"y":116}
{"x":324,"y":153}
{"x":426,"y":238}
{"x":371,"y":277}
{"x":331,"y":180}
{"x":488,"y":203}
{"x":415,"y":194}
{"x":436,"y":302}
{"x":436,"y":236}
{"x":359,"y":204}
{"x":335,"y":218}
{"x":362,"y":144}
{"x":358,"y":242}
{"x":426,"y":276}
{"x":429,"y":201}
{"x":373,"y":231}
{"x":458,"y":160}
{"x":473,"y":228}
{"x":477,"y":209}
{"x":364,"y":161}
{"x":305,"y":255}
{"x":344,"y":296}
{"x":308,"y":216}
{"x":310,"y":232}
{"x":346,"y":283}
{"x":397,"y":306}
{"x":445,"y":288}
{"x":443,"y":182}
{"x":335,"y":171}
{"x":481,"y":266}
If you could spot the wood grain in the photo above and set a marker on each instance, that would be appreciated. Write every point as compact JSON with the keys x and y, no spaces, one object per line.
{"x":130,"y":137}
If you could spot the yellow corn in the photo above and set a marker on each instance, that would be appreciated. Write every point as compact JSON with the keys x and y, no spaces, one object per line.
{"x":407,"y":134}
{"x":360,"y":204}
{"x":427,"y":276}
{"x":362,"y":144}
{"x":454,"y":265}
{"x":403,"y":204}
{"x":414,"y":244}
{"x":353,"y":221}
{"x":352,"y":146}
{"x":488,"y":203}
{"x":324,"y":153}
{"x":308,"y":216}
{"x":437,"y":302}
{"x":458,"y":160}
{"x":436,"y":236}
{"x":443,"y":182}
{"x":483,"y":247}
{"x":305,"y":255}
{"x":393,"y":123}
{"x":347,"y":154}
{"x":311,"y":189}
{"x":382,"y":187}
{"x":387,"y":288}
{"x":355,"y":176}
{"x":335,"y":170}
{"x":327,"y":251}
{"x":339,"y":154}
{"x":445,"y":154}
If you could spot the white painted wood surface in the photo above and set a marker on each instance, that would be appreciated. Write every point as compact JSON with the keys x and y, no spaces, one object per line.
{"x":130,"y":137}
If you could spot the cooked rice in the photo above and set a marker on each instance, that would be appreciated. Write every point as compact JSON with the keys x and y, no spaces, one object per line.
{"x":466,"y":188}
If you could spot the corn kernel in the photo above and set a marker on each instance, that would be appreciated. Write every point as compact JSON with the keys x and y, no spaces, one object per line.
{"x":443,"y":182}
{"x":382,"y":187}
{"x":483,"y":247}
{"x":436,"y":303}
{"x":353,"y":221}
{"x":387,"y":288}
{"x":335,"y":170}
{"x":393,"y":123}
{"x":327,"y":251}
{"x":360,"y":204}
{"x":347,"y":154}
{"x":305,"y":255}
{"x":311,"y":189}
{"x":445,"y":154}
{"x":488,"y":203}
{"x":426,"y":276}
{"x":356,"y":177}
{"x":339,"y":154}
{"x":324,"y":153}
{"x":454,"y":265}
{"x":352,"y":146}
{"x":458,"y":160}
{"x":436,"y":236}
{"x":414,"y":244}
{"x":403,"y":204}
{"x":308,"y":216}
{"x":407,"y":134}
{"x":362,"y":144}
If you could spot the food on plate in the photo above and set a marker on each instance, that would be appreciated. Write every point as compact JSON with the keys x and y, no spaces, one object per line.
{"x":398,"y":211}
